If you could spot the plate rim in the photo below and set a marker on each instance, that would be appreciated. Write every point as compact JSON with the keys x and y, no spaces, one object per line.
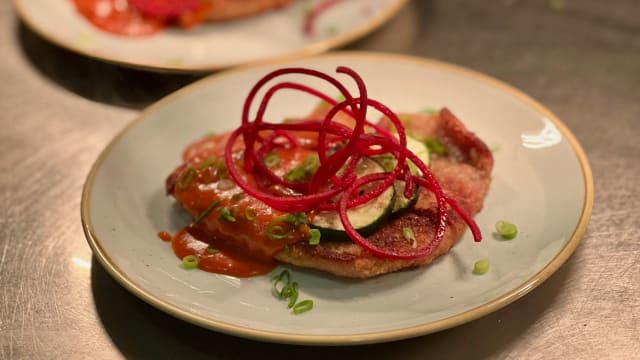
{"x":314,"y":48}
{"x":499,"y":302}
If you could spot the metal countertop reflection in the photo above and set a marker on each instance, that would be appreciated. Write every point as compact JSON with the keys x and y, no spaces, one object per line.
{"x":59,"y":109}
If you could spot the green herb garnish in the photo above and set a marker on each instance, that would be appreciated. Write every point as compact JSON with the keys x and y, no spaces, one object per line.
{"x":226,"y":215}
{"x":283,"y":288}
{"x":190,"y":261}
{"x":506,"y":229}
{"x":186,"y":179}
{"x":303,"y":306}
{"x":314,"y":237}
{"x":272,"y":160}
{"x":305,"y":170}
{"x":481,"y":267}
{"x":408,"y":234}
{"x":207,"y":211}
{"x":249,"y":213}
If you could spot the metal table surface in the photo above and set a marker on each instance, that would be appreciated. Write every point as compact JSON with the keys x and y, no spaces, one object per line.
{"x":58,"y":110}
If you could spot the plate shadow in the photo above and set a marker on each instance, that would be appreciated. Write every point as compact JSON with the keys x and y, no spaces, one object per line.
{"x":140,"y":331}
{"x":96,"y":80}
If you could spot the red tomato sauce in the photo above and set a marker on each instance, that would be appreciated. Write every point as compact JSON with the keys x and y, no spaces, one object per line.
{"x":121,"y":18}
{"x":118,"y":17}
{"x":218,"y":254}
{"x":244,"y":246}
{"x":164,"y":236}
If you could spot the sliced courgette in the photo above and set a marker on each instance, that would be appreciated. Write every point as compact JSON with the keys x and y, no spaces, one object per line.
{"x":401,"y":202}
{"x":388,"y":162}
{"x":366,"y":217}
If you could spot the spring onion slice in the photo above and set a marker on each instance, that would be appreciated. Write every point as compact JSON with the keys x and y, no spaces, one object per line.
{"x":250,"y":213}
{"x":186,"y":178}
{"x":226,"y":215}
{"x":208,"y":162}
{"x":506,"y":229}
{"x":277,"y":231}
{"x":272,"y":160}
{"x":190,"y":261}
{"x":303,"y":306}
{"x":408,"y":234}
{"x":314,"y":237}
{"x":280,"y":282}
{"x":207,"y":211}
{"x":481,"y":267}
{"x":293,"y":296}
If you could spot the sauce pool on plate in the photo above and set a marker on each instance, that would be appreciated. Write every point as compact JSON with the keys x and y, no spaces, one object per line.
{"x":118,"y":17}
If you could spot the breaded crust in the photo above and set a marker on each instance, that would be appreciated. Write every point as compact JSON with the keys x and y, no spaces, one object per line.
{"x":464,"y":174}
{"x":223,"y":10}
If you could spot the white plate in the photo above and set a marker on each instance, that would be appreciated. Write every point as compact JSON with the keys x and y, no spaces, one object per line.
{"x":273,"y":35}
{"x":541,"y":182}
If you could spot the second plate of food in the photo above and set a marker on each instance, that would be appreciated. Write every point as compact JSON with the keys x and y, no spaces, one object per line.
{"x":277,"y":33}
{"x":541,"y":181}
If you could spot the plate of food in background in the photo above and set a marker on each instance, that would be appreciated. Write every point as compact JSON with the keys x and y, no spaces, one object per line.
{"x":199,"y":35}
{"x":175,"y":201}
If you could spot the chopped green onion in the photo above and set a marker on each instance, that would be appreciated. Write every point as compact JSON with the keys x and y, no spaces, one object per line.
{"x":186,"y":179}
{"x":284,"y":288}
{"x":221,"y":170}
{"x":226,"y":215}
{"x":303,"y":171}
{"x":276,"y":230}
{"x":303,"y":306}
{"x":294,"y":219}
{"x":211,"y":250}
{"x":292,"y":294}
{"x":208,"y":162}
{"x":190,"y":261}
{"x":430,"y":111}
{"x":289,"y":290}
{"x":408,"y":234}
{"x":435,"y":146}
{"x":481,"y":267}
{"x":272,"y":160}
{"x":314,"y":238}
{"x":276,"y":290}
{"x":207,"y":211}
{"x":249,"y":213}
{"x":506,"y":229}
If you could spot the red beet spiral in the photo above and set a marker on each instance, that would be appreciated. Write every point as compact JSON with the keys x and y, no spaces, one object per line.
{"x":334,"y":185}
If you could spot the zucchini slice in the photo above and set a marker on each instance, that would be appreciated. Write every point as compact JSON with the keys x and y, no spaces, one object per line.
{"x":400,"y":202}
{"x":366,"y":217}
{"x":421,"y":150}
{"x":388,"y":163}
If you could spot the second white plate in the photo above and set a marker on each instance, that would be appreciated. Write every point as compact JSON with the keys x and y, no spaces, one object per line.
{"x":273,"y":35}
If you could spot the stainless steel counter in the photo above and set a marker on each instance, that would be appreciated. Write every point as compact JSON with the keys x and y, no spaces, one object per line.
{"x":58,"y":110}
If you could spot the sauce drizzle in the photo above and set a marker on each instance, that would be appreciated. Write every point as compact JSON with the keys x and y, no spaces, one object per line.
{"x":118,"y":17}
{"x":218,"y":255}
